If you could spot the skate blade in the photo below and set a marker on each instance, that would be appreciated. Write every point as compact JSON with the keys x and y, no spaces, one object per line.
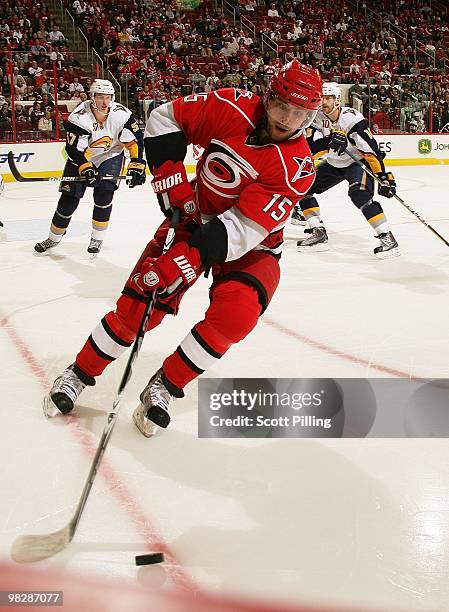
{"x":144,"y":425}
{"x":316,"y":248}
{"x":92,"y":256}
{"x":49,"y":408}
{"x":297,"y":222}
{"x":388,"y":254}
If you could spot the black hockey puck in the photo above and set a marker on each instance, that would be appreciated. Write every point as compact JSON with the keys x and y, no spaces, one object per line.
{"x":149,"y":559}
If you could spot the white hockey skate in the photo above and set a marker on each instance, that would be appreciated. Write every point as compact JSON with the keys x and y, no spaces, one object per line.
{"x":317,"y":241}
{"x":152,"y":412}
{"x":94,"y":247}
{"x":65,"y":391}
{"x":388,"y":246}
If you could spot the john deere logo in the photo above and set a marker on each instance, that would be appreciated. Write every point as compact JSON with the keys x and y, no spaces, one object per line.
{"x":424,"y":146}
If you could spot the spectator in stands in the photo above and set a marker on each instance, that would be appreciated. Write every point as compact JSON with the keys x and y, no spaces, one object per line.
{"x":62,"y":85}
{"x":36,"y":113}
{"x":75,"y":86}
{"x":71,"y":61}
{"x":47,"y":103}
{"x":179,"y":46}
{"x":20,"y":88}
{"x":206,"y":49}
{"x":419,"y":120}
{"x":81,"y":8}
{"x":272,"y":11}
{"x":48,"y":86}
{"x":34,"y":69}
{"x":5,"y":114}
{"x":56,"y":56}
{"x":404,"y":66}
{"x":374,"y":104}
{"x":15,"y":75}
{"x":45,"y":123}
{"x":212,"y":82}
{"x":226,"y":50}
{"x":250,"y":6}
{"x":198,"y":80}
{"x":56,"y":37}
{"x":357,"y":96}
{"x":20,"y":114}
{"x":382,"y":120}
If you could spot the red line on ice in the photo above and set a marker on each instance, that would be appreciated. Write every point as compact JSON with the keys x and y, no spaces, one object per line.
{"x":330,"y":350}
{"x":140,"y":520}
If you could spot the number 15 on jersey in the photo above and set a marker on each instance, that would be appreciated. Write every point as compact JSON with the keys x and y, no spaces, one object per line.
{"x":278,"y":205}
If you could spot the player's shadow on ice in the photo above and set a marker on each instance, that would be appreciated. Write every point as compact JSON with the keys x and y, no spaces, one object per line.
{"x":97,"y":278}
{"x":342,"y":248}
{"x":292,"y":505}
{"x":414,"y":277}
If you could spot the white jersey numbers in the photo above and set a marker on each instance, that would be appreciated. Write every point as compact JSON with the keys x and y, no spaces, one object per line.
{"x":278,"y":206}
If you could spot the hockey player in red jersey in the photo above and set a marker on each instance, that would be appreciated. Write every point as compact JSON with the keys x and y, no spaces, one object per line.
{"x":256,"y":164}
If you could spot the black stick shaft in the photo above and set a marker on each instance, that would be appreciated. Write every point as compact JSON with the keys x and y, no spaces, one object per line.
{"x":53,"y":179}
{"x":400,"y":200}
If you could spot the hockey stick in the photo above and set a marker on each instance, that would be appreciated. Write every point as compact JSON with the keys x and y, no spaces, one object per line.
{"x":30,"y":548}
{"x":400,"y":200}
{"x":55,"y":179}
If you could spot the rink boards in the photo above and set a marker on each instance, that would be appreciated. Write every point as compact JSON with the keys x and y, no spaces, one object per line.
{"x":48,"y":159}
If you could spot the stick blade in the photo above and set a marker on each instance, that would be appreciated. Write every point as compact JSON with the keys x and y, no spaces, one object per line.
{"x":31,"y":548}
{"x":16,"y":172}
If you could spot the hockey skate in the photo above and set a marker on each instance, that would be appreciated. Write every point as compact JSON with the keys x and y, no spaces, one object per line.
{"x":154,"y":402}
{"x":388,"y":246}
{"x":317,"y":241}
{"x":65,"y":391}
{"x":45,"y":245}
{"x":94,"y":247}
{"x":297,"y":217}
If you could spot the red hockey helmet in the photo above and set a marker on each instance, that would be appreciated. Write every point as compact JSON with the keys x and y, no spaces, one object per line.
{"x":297,"y":84}
{"x":292,"y":100}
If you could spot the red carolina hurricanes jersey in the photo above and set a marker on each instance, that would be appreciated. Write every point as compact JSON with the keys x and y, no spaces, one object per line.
{"x":251,"y":187}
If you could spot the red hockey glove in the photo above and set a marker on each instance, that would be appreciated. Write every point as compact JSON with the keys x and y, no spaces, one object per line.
{"x":171,"y":271}
{"x":173,"y":190}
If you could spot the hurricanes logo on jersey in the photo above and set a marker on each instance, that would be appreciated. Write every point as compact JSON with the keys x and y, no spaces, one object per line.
{"x":243,"y":93}
{"x":224,"y":170}
{"x":306,"y":168}
{"x":105,"y":143}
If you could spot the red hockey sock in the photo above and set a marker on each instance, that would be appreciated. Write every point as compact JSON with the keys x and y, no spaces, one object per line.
{"x":114,"y":334}
{"x":232,"y":314}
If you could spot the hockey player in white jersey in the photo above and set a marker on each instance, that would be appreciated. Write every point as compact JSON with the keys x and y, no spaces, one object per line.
{"x":338,"y":129}
{"x":98,"y":131}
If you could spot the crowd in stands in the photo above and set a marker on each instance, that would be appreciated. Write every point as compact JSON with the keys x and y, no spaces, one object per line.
{"x":160,"y":51}
{"x":32,"y":42}
{"x":395,"y":59}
